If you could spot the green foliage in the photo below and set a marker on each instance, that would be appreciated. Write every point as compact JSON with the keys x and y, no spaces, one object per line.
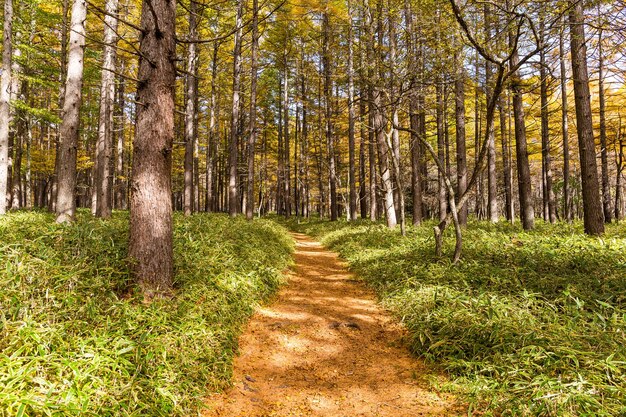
{"x":527,"y":324}
{"x":76,"y":341}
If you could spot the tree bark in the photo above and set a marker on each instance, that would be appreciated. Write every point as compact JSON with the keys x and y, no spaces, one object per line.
{"x":5,"y":98}
{"x":252,"y":130}
{"x":550,"y":198}
{"x":150,"y":244}
{"x":233,"y":151}
{"x":191,"y":96}
{"x":68,"y":140}
{"x":334,"y":212}
{"x":567,"y":211}
{"x":592,"y":206}
{"x":604,"y":158}
{"x":527,"y":211}
{"x":102,"y":168}
{"x":351,"y":122}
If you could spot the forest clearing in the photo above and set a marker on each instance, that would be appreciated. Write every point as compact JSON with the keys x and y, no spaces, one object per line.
{"x":167,"y":168}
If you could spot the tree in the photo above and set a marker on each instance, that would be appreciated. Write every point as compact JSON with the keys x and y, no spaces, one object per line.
{"x":150,"y":244}
{"x":5,"y":97}
{"x":592,"y":206}
{"x":233,"y":149}
{"x":68,"y":140}
{"x":191,"y":100}
{"x":252,"y":130}
{"x":102,"y":168}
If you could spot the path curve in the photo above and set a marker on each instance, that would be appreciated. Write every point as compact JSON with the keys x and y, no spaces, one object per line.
{"x":325,"y":348}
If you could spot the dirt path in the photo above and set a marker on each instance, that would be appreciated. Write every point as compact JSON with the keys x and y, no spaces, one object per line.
{"x":325,"y":348}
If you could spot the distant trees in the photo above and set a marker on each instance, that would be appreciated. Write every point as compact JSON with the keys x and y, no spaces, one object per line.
{"x":334,"y":111}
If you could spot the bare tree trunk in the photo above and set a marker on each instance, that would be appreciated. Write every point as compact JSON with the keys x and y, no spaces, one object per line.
{"x":150,"y":244}
{"x":252,"y":130}
{"x":506,"y":162}
{"x":592,"y":207}
{"x":550,"y":199}
{"x":102,"y":168}
{"x":120,"y":116}
{"x":567,"y":211}
{"x":68,"y":141}
{"x":233,"y":151}
{"x":5,"y":98}
{"x":334,"y":213}
{"x":492,"y":182}
{"x":461,"y":153}
{"x":527,"y":211}
{"x":443,"y":204}
{"x":211,"y":153}
{"x":606,"y":192}
{"x":191,"y":95}
{"x":351,"y":121}
{"x":286,"y":142}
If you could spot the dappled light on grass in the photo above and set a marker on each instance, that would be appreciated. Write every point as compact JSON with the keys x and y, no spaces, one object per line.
{"x":76,"y":340}
{"x":528,"y":323}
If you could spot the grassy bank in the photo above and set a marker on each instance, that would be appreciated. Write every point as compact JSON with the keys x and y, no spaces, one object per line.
{"x":527,"y":324}
{"x":75,"y":341}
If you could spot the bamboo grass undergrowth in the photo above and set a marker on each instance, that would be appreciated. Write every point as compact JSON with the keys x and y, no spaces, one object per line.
{"x":527,"y":324}
{"x":76,"y":340}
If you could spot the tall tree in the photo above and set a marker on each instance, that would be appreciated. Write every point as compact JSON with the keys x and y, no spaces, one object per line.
{"x":68,"y":140}
{"x":233,"y":149}
{"x":252,"y":130}
{"x":150,"y":244}
{"x":102,"y":168}
{"x":604,"y":158}
{"x":592,"y":206}
{"x":191,"y":100}
{"x":567,"y":211}
{"x":351,"y":121}
{"x":5,"y":98}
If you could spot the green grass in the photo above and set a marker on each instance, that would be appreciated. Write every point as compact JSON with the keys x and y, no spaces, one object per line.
{"x":75,"y":341}
{"x":528,"y":324}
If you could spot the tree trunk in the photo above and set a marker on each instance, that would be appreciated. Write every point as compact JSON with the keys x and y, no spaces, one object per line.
{"x":592,"y":206}
{"x":461,"y":153}
{"x":606,"y":192}
{"x":252,"y":131}
{"x":334,"y":212}
{"x":443,"y":205}
{"x":68,"y":140}
{"x":191,"y":96}
{"x":492,"y":183}
{"x":233,"y":151}
{"x":527,"y":211}
{"x":5,"y":98}
{"x":102,"y":168}
{"x":351,"y":122}
{"x":211,"y":155}
{"x":150,"y":244}
{"x":567,"y":211}
{"x":550,"y":198}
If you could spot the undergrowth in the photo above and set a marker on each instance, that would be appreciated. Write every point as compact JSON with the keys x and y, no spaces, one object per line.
{"x":527,"y":324}
{"x":76,"y":341}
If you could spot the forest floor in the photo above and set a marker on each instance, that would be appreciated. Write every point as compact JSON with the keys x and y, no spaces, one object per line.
{"x":325,"y":347}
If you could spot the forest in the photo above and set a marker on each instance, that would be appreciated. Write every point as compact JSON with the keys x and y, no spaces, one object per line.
{"x":179,"y":176}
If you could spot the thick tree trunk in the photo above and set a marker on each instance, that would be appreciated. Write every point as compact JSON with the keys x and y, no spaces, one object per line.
{"x":442,"y":192}
{"x":102,"y":168}
{"x":252,"y":131}
{"x":233,"y":149}
{"x":120,"y":165}
{"x":5,"y":98}
{"x":150,"y":245}
{"x":68,"y":140}
{"x":592,"y":206}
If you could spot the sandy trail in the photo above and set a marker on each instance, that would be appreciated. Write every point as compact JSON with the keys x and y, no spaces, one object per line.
{"x":325,"y":348}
